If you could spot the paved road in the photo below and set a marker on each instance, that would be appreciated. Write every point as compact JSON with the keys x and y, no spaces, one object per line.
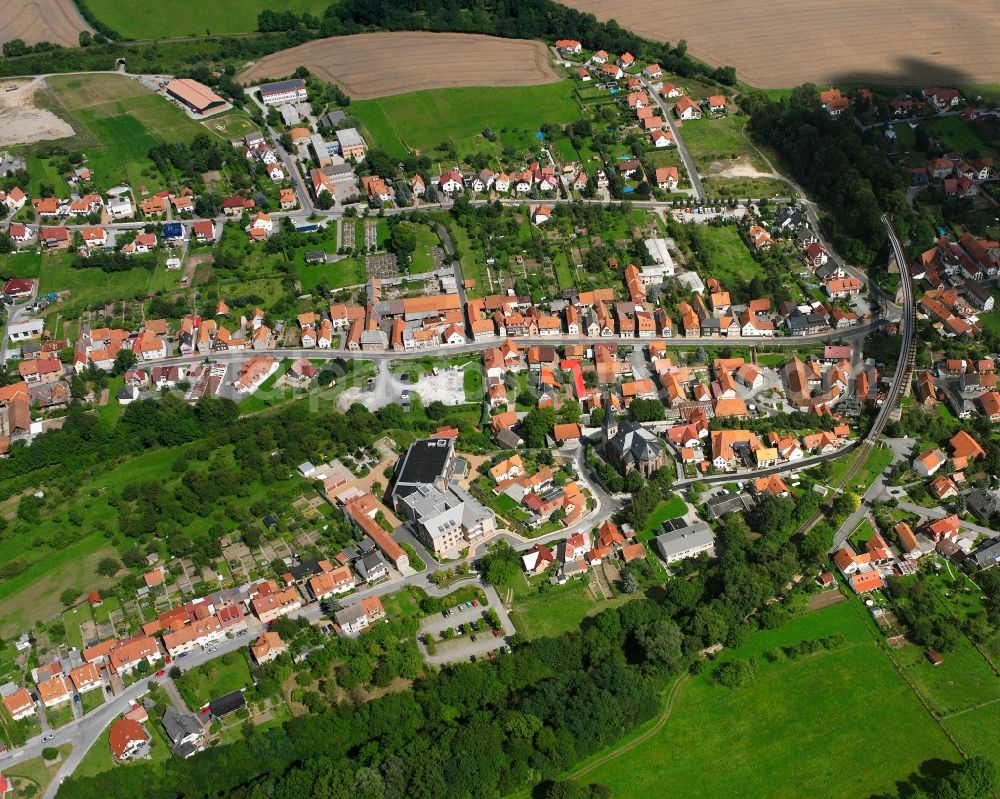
{"x":856,"y":333}
{"x":689,"y":165}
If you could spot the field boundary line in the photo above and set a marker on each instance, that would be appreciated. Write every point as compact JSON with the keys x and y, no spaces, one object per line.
{"x":639,"y":739}
{"x":970,"y":709}
{"x":906,"y":678}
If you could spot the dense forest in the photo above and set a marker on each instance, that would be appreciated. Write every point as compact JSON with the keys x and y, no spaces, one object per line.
{"x":840,"y":167}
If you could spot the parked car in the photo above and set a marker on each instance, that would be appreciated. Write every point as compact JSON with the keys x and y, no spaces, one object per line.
{"x":496,"y":633}
{"x":473,"y":639}
{"x":475,"y":604}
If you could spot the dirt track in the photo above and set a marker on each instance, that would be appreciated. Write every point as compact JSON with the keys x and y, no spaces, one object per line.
{"x":780,"y":43}
{"x":381,"y":64}
{"x":55,"y":21}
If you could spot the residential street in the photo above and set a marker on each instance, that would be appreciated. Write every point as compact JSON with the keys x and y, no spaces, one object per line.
{"x":666,"y":110}
{"x":83,"y":732}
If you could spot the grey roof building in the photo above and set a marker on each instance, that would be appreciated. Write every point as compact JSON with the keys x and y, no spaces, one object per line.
{"x":686,"y":541}
{"x":183,"y":730}
{"x":445,"y":520}
{"x":988,"y":555}
{"x":627,"y":445}
{"x":227,"y":703}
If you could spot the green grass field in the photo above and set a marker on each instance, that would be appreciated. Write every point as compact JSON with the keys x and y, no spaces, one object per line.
{"x":117,"y":120}
{"x":194,"y":18}
{"x":726,"y":256}
{"x":422,"y":120}
{"x":955,"y":133}
{"x":964,"y":680}
{"x":720,"y":139}
{"x":556,"y":611}
{"x":213,"y":679}
{"x":88,"y":288}
{"x":672,"y":508}
{"x":802,"y":727}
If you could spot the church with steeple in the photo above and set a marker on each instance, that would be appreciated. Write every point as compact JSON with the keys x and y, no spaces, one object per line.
{"x":627,"y":445}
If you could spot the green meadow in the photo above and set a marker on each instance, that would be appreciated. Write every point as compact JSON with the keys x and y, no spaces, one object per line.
{"x":193,"y":17}
{"x":422,"y":120}
{"x":801,"y":727}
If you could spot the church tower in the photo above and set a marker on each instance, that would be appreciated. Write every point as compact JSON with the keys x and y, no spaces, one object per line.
{"x":609,"y":427}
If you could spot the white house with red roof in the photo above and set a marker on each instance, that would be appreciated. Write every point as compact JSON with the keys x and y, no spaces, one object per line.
{"x":571,"y":46}
{"x":15,"y":199}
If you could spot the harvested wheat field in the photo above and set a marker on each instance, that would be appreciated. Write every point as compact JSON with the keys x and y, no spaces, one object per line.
{"x":55,"y":21}
{"x":782,"y":43}
{"x":373,"y":65}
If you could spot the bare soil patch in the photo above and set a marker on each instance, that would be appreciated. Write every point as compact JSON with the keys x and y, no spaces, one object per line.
{"x":55,"y":21}
{"x":826,"y":599}
{"x":780,"y":43}
{"x":23,"y":122}
{"x":381,"y":64}
{"x":740,"y":168}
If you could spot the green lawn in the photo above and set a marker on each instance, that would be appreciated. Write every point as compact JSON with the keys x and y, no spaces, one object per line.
{"x":962,"y":681}
{"x":72,"y":619}
{"x":861,"y":535}
{"x":803,"y":727}
{"x":672,"y":508}
{"x":978,"y":731}
{"x":422,"y":120}
{"x":726,"y":256}
{"x":557,"y":610}
{"x":422,"y":260}
{"x":720,"y":139}
{"x":88,"y":288}
{"x":59,"y":716}
{"x":955,"y":133}
{"x":213,"y":679}
{"x":37,"y":770}
{"x":472,"y":381}
{"x":92,"y":699}
{"x":194,"y":18}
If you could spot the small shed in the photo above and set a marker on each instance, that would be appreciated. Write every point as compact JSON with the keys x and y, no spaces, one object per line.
{"x":934,"y":657}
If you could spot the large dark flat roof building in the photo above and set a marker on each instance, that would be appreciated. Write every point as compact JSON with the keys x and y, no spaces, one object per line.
{"x":428,"y":462}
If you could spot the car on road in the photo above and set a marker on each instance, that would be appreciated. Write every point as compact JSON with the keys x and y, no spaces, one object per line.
{"x":182,"y":655}
{"x":76,"y":698}
{"x":213,"y":648}
{"x":48,"y":737}
{"x":161,"y":672}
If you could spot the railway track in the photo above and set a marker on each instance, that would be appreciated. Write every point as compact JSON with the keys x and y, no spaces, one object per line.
{"x":900,"y":379}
